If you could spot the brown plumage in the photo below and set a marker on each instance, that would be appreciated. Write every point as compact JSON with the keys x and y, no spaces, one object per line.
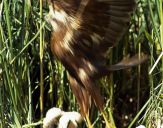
{"x":83,"y":31}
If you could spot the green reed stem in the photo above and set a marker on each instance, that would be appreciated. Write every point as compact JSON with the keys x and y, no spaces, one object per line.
{"x":6,"y":9}
{"x":41,"y":62}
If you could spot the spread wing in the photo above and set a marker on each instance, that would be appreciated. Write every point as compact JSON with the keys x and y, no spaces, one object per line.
{"x":83,"y":30}
{"x":101,"y":25}
{"x":104,"y":22}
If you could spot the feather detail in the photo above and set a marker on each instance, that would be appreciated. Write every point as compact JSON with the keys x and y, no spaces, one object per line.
{"x":128,"y":62}
{"x":82,"y":96}
{"x":83,"y":31}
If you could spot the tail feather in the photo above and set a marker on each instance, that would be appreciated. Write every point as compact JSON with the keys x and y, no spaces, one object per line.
{"x":81,"y":94}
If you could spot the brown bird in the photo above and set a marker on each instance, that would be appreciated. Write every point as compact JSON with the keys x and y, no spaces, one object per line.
{"x":83,"y":31}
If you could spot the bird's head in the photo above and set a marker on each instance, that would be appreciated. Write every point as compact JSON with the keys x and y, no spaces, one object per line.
{"x":62,"y":14}
{"x":56,"y":16}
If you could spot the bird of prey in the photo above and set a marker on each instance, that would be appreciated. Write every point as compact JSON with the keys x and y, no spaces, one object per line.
{"x":83,"y":31}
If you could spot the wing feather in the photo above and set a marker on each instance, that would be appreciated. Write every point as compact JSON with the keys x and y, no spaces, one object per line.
{"x":81,"y":39}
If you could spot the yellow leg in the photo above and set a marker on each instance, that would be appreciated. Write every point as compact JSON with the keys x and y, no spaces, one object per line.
{"x":108,"y":125}
{"x":88,"y":121}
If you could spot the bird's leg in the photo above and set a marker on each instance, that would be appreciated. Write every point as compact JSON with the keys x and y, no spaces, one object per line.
{"x":88,"y":121}
{"x":108,"y":125}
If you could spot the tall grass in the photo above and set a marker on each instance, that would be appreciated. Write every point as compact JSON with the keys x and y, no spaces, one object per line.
{"x":32,"y":80}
